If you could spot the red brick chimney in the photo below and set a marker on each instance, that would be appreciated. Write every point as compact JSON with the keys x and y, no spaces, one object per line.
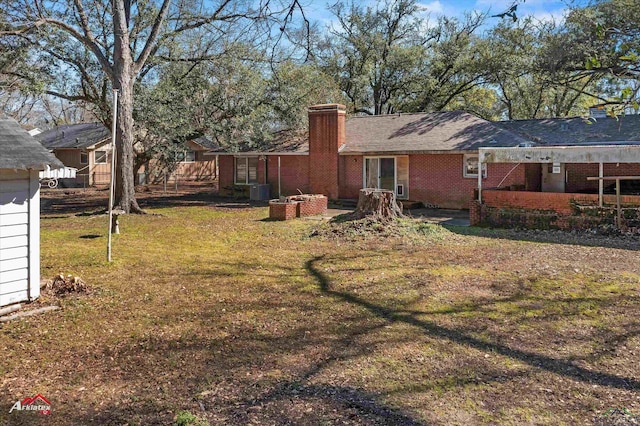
{"x":327,"y":134}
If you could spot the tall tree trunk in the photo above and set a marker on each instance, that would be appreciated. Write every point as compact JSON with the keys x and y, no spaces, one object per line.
{"x":125,"y":195}
{"x":124,"y":77}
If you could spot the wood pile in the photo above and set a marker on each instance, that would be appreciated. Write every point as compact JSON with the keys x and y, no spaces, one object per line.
{"x":61,"y":285}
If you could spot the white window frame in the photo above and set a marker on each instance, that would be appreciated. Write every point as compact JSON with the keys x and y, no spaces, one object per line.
{"x":246,"y":160}
{"x":104,"y":159}
{"x":184,"y":156}
{"x":86,"y":156}
{"x":466,"y":174}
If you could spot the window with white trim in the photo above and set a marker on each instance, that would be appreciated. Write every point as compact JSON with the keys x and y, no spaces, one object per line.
{"x":100,"y":157}
{"x":470,"y":166}
{"x":246,"y":170}
{"x":84,"y":158}
{"x":188,"y":156}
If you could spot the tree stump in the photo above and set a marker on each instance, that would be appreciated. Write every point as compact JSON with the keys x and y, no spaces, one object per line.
{"x":377,"y":203}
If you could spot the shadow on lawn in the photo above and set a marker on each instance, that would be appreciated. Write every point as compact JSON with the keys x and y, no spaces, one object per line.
{"x":626,"y":242}
{"x":90,"y":202}
{"x":239,"y":378}
{"x":557,"y":366}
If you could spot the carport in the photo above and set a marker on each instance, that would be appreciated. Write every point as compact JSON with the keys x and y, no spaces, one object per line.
{"x":554,"y":157}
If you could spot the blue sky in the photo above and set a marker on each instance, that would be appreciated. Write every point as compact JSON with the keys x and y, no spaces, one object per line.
{"x":540,"y":9}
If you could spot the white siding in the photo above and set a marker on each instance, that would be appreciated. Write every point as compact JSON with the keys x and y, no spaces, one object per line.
{"x":13,"y":253}
{"x":19,"y":236}
{"x":14,"y":264}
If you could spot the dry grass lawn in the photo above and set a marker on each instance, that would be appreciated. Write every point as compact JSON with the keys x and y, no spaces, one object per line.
{"x":211,"y":313}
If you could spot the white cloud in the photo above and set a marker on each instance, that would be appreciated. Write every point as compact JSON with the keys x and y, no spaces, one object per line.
{"x":557,"y":16}
{"x":434,"y":7}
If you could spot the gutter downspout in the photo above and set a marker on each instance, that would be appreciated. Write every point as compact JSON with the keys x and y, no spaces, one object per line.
{"x":600,"y":184}
{"x":479,"y":179}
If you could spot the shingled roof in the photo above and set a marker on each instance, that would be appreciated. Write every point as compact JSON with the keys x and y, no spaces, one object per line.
{"x":20,"y":151}
{"x":205,"y":142}
{"x":404,"y":133}
{"x":578,"y":131}
{"x":425,"y":132}
{"x":81,"y":135}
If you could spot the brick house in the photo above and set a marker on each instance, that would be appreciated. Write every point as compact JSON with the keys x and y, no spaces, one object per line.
{"x":428,"y":157}
{"x":433,"y":157}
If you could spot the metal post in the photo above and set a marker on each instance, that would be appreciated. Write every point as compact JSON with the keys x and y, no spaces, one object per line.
{"x":113,"y":169}
{"x":600,"y":185}
{"x":479,"y":180}
{"x":279,"y":192}
{"x":619,"y":216}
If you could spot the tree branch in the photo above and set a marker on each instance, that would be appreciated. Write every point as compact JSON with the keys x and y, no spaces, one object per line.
{"x":151,"y":40}
{"x":89,"y":42}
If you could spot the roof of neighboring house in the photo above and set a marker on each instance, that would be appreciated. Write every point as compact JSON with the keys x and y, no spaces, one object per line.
{"x":578,"y":131}
{"x":436,"y":131}
{"x":19,"y":150}
{"x":205,"y":142}
{"x":82,"y":135}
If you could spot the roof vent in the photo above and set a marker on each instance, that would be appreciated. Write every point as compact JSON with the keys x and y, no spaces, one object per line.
{"x":564,"y":127}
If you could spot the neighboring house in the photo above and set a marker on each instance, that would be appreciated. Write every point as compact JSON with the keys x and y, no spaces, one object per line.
{"x":197,"y":162}
{"x":85,"y":147}
{"x":429,"y":157}
{"x":21,"y":158}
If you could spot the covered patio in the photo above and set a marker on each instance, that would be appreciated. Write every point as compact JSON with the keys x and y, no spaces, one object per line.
{"x":565,"y":179}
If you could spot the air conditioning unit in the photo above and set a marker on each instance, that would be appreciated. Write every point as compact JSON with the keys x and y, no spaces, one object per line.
{"x":259,"y":192}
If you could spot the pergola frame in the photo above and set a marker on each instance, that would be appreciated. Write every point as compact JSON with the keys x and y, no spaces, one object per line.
{"x":598,"y":154}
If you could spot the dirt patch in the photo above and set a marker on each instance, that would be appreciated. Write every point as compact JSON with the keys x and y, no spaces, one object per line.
{"x":349,"y":227}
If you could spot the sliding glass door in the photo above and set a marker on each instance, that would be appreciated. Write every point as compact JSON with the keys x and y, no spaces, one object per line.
{"x":387,"y":175}
{"x":384,"y":173}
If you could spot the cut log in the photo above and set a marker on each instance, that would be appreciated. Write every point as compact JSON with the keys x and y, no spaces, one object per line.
{"x":377,"y":203}
{"x":28,"y":313}
{"x":10,"y":309}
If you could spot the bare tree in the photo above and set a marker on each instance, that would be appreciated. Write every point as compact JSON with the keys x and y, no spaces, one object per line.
{"x":99,"y":44}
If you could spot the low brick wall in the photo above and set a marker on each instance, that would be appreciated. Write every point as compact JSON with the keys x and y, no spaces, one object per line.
{"x":279,"y":210}
{"x":297,"y":206}
{"x":547,"y":210}
{"x":559,"y":202}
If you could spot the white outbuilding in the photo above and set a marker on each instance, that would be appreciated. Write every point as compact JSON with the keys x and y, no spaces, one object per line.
{"x":21,"y":158}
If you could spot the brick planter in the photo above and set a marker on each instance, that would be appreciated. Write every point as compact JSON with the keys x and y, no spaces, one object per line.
{"x":297,"y":206}
{"x":282,"y":210}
